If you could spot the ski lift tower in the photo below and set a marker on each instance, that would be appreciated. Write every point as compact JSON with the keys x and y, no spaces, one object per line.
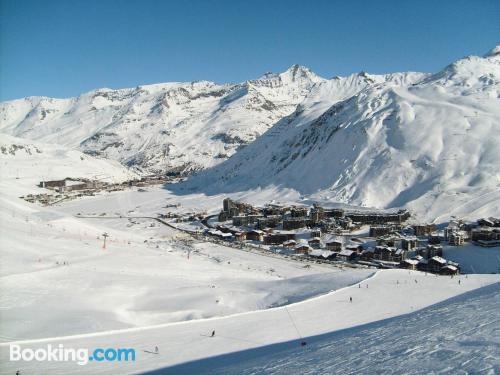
{"x":104,"y":235}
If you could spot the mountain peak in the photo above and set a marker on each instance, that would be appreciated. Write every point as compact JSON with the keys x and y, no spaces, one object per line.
{"x":299,"y":72}
{"x":493,"y":52}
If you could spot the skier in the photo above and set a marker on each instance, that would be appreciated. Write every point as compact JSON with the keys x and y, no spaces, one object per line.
{"x":459,"y":282}
{"x":156,"y":350}
{"x":360,"y":285}
{"x":213,"y":333}
{"x":350,"y":299}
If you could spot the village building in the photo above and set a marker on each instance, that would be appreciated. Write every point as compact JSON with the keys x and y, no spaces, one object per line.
{"x":434,"y":239}
{"x":389,"y":254}
{"x":449,"y":270}
{"x":316,"y":214}
{"x":271,"y":221}
{"x":485,"y":234}
{"x":314,"y":242}
{"x":430,"y":251}
{"x":435,"y":264}
{"x":380,"y":230}
{"x":367,"y":254}
{"x":255,"y":235}
{"x":378,"y":217}
{"x":294,"y":223}
{"x":409,"y":264}
{"x":347,"y":255}
{"x":240,"y":236}
{"x":334,"y":245}
{"x":302,"y":249}
{"x":408,"y":243}
{"x":334,"y":212}
{"x":298,"y":212}
{"x":424,"y":229}
{"x":290,"y":244}
{"x":489,"y":222}
{"x":278,"y":237}
{"x":456,"y":238}
{"x":322,"y":254}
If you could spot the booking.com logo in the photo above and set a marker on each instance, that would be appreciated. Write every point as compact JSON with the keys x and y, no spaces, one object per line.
{"x":61,"y":354}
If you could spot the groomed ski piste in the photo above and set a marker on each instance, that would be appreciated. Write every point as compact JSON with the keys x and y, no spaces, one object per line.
{"x":151,"y":287}
{"x":390,"y":293}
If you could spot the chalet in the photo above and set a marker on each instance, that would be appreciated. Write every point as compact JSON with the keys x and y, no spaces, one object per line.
{"x":302,"y":249}
{"x":423,"y":264}
{"x":289,"y":244}
{"x":409,"y":264}
{"x":219,"y":234}
{"x":435,"y":264}
{"x":389,"y":254}
{"x":347,"y":255}
{"x":449,"y":270}
{"x":314,"y":242}
{"x":367,"y":254}
{"x":322,"y":254}
{"x":239,"y":236}
{"x":334,"y":246}
{"x":357,"y":248}
{"x":277,"y":238}
{"x":255,"y":235}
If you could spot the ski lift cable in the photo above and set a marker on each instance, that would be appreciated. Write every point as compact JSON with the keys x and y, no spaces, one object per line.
{"x":293,"y":322}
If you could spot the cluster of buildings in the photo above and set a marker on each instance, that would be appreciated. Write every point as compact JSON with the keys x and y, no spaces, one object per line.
{"x":327,"y":234}
{"x":484,"y":232}
{"x":70,"y":188}
{"x":289,"y":218}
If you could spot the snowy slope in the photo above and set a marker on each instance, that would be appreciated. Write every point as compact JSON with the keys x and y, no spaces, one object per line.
{"x":386,"y":297}
{"x":431,"y":146}
{"x":163,"y":126}
{"x":24,"y":163}
{"x":440,"y":339}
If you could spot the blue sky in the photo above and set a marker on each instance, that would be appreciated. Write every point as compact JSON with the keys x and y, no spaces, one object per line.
{"x":62,"y":48}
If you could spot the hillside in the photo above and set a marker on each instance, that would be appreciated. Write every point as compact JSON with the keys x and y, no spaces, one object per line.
{"x":23,"y":164}
{"x":170,"y":126}
{"x":430,"y":146}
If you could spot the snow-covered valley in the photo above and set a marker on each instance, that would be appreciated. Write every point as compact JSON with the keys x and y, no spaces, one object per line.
{"x":425,"y":142}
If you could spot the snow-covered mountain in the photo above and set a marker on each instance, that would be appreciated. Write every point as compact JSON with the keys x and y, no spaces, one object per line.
{"x":431,"y":145}
{"x":179,"y":126}
{"x":164,"y":126}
